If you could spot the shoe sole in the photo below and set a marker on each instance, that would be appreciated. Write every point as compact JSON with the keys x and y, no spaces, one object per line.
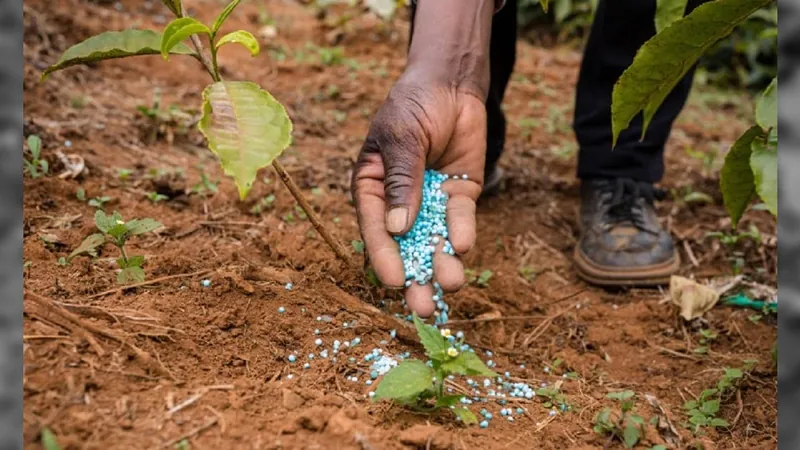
{"x":647,"y":276}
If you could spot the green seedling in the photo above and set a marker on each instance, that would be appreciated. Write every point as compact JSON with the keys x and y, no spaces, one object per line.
{"x":624,"y":426}
{"x":481,"y":280}
{"x":162,"y":122}
{"x":124,"y":174}
{"x":420,"y":386}
{"x":265,"y":203}
{"x":35,"y":166}
{"x":98,"y":202}
{"x":155,"y":197}
{"x":707,"y":337}
{"x":80,"y":194}
{"x":358,"y":246}
{"x":553,"y":398}
{"x":115,"y":230}
{"x":703,"y":411}
{"x":708,"y":159}
{"x":205,"y":187}
{"x":244,"y":125}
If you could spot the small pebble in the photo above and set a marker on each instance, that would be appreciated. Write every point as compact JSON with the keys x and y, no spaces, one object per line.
{"x":292,"y":358}
{"x":289,"y":377}
{"x":316,"y":331}
{"x":281,"y":310}
{"x":484,"y":424}
{"x":306,"y":366}
{"x":318,"y":342}
{"x":289,"y":286}
{"x":206,"y":283}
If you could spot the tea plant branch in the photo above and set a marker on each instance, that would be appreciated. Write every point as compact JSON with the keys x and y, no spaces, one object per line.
{"x":213,"y":69}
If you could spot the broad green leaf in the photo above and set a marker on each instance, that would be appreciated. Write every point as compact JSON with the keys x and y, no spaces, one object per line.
{"x":561,"y":10}
{"x":139,"y":226}
{"x":179,"y":30}
{"x":466,"y":416}
{"x":622,"y":395}
{"x":767,"y":106}
{"x":468,"y":363}
{"x":448,"y":401}
{"x":49,"y":440}
{"x":764,"y":162}
{"x":105,"y":223}
{"x":245,"y":127}
{"x":631,"y":435}
{"x":130,"y":275}
{"x":223,"y":16}
{"x":545,"y":4}
{"x":665,"y":58}
{"x":114,"y":44}
{"x":668,"y":11}
{"x":736,"y":177}
{"x":88,"y":246}
{"x":174,"y":6}
{"x":431,"y":338}
{"x":709,"y":407}
{"x":707,"y":393}
{"x":408,"y":379}
{"x":383,"y":8}
{"x":240,"y":37}
{"x":733,"y":372}
{"x":133,"y":261}
{"x":638,"y":420}
{"x":35,"y":145}
{"x":717,"y":422}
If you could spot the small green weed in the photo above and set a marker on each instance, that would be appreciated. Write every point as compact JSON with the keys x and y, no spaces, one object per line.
{"x":703,"y":411}
{"x":706,"y":338}
{"x":625,"y":426}
{"x":115,"y":230}
{"x":481,"y":280}
{"x":553,"y":398}
{"x":528,"y":273}
{"x":98,"y":202}
{"x":205,"y":187}
{"x":155,"y":197}
{"x":420,"y":386}
{"x":264,"y":204}
{"x":35,"y":166}
{"x":49,"y":440}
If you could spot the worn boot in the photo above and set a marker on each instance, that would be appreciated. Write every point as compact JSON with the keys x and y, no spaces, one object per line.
{"x":622,"y":243}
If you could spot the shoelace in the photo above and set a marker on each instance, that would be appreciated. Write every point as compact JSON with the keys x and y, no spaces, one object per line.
{"x":624,"y":205}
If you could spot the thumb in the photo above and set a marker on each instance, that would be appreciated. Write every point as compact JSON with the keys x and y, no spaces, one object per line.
{"x":402,"y":147}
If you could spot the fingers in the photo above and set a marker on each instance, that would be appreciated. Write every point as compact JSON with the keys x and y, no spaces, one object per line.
{"x":383,"y":251}
{"x":449,"y":271}
{"x":461,"y":223}
{"x":419,"y":299}
{"x":398,"y":136}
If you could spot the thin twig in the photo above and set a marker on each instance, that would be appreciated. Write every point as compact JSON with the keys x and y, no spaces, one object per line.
{"x":690,"y":254}
{"x":85,"y":326}
{"x":149,"y":282}
{"x":493,"y":319}
{"x":335,"y":245}
{"x":192,"y":433}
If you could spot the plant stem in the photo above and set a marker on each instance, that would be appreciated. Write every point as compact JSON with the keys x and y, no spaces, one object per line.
{"x":122,"y":252}
{"x":336,"y":246}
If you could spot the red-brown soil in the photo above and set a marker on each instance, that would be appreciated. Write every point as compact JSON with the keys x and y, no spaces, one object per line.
{"x":228,"y":341}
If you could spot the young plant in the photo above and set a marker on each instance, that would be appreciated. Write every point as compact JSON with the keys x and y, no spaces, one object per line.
{"x":553,"y":398}
{"x":706,"y":338}
{"x":420,"y":385}
{"x":35,"y":166}
{"x":205,"y":186}
{"x":751,"y":165}
{"x":155,"y":197}
{"x":98,"y":202}
{"x":478,"y":279}
{"x":245,"y":126}
{"x":625,"y":426}
{"x":703,"y":411}
{"x":115,"y":230}
{"x":263,"y":204}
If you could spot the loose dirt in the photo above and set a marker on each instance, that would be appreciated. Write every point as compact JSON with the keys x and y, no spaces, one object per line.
{"x":152,"y":366}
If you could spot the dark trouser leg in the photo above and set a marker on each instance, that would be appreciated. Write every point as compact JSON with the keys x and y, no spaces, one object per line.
{"x":619,"y":29}
{"x":502,"y":55}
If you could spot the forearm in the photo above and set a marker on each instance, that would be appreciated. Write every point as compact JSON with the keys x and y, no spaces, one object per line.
{"x":450,"y":43}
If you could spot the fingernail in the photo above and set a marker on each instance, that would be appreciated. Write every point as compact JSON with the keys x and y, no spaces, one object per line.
{"x":396,"y":219}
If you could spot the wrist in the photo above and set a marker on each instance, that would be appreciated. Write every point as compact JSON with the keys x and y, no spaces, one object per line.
{"x":450,"y":44}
